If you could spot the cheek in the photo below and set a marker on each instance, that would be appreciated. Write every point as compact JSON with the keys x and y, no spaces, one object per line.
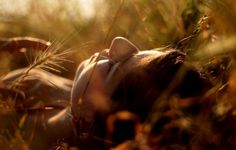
{"x":136,"y":92}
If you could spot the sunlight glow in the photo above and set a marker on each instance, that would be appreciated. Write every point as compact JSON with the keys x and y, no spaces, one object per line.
{"x":14,"y":6}
{"x":87,"y":8}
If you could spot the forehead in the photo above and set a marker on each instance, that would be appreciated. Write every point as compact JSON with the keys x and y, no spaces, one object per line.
{"x":142,"y":58}
{"x":134,"y":67}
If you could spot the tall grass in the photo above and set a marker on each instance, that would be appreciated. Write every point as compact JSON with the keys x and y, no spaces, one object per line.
{"x":202,"y":28}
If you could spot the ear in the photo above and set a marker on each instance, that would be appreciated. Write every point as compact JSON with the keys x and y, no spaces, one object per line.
{"x":121,"y":49}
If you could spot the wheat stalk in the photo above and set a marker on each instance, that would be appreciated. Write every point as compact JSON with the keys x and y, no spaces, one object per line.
{"x":51,"y":59}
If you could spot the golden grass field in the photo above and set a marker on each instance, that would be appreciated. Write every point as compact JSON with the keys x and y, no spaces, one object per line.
{"x":204,"y":29}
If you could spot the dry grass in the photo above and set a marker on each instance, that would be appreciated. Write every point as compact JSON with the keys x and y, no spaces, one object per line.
{"x":204,"y":29}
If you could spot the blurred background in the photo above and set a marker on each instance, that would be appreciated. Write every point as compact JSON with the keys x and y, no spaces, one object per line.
{"x":205,"y":29}
{"x":87,"y":26}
